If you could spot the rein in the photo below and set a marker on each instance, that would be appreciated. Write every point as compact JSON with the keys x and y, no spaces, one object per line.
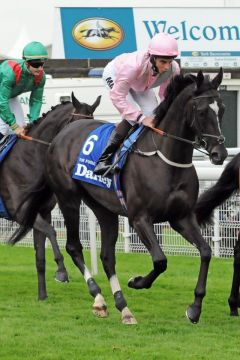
{"x":163,"y":133}
{"x":30,"y":138}
{"x":195,"y":144}
{"x":84,"y":116}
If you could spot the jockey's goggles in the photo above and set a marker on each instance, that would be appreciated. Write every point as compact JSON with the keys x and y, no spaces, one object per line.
{"x":36,"y":63}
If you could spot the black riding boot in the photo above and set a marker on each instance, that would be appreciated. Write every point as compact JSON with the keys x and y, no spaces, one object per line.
{"x":113,"y":144}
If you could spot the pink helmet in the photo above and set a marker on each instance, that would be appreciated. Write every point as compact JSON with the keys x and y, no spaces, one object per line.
{"x":163,"y":44}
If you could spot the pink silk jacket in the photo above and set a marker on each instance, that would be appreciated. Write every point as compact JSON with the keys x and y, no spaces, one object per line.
{"x":134,"y":71}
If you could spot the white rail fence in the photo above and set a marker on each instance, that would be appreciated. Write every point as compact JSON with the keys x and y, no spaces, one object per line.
{"x":221,"y":236}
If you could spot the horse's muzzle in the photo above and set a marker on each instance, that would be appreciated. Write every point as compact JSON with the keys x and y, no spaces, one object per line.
{"x":218,"y":154}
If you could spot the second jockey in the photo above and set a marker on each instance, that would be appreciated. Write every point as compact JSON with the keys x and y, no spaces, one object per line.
{"x":17,"y":77}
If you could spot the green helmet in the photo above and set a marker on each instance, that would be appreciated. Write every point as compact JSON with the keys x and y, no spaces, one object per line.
{"x":35,"y":51}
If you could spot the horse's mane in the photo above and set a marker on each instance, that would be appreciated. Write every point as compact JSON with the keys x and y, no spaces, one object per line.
{"x":29,"y":126}
{"x":177,"y":84}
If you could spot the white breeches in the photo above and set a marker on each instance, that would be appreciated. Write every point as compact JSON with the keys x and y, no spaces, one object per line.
{"x":17,"y":110}
{"x":146,"y":100}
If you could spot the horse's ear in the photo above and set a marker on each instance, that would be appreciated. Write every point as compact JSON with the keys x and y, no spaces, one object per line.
{"x":96,"y":103}
{"x":199,"y":79}
{"x":190,"y":77}
{"x":218,"y":79}
{"x":75,"y":101}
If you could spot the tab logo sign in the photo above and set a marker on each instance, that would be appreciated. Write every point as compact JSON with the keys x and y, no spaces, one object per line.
{"x":98,"y":33}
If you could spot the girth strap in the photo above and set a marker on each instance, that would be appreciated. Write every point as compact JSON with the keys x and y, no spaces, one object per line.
{"x":163,"y":157}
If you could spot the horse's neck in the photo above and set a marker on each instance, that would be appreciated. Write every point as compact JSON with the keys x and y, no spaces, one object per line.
{"x":174,"y":123}
{"x":54,"y":121}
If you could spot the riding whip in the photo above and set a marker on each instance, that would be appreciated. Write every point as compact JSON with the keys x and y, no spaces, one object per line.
{"x":30,"y":138}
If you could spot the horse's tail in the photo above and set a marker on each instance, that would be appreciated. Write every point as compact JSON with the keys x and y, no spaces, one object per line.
{"x":227,"y":184}
{"x":29,"y":209}
{"x":18,"y":234}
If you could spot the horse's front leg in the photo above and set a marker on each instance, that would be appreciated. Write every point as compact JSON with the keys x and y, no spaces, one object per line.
{"x":190,"y":230}
{"x":45,"y":227}
{"x":233,"y":299}
{"x":145,"y":231}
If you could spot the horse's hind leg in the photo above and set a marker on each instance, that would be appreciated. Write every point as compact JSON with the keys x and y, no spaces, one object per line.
{"x":233,"y":299}
{"x":39,"y":245}
{"x":189,"y":229}
{"x":109,"y":233}
{"x":46,"y":229}
{"x":70,"y":211}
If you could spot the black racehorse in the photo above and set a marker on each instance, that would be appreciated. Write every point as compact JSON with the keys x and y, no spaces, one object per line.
{"x":227,"y":185}
{"x":22,"y":172}
{"x":161,"y":187}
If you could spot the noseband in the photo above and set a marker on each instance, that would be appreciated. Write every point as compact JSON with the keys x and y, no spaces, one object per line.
{"x":201,"y":141}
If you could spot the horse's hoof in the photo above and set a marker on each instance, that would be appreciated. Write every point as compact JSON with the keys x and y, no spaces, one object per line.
{"x":193,"y":313}
{"x":129,"y":320}
{"x":139,"y":282}
{"x":238,"y":303}
{"x":135,"y":283}
{"x":62,"y":276}
{"x":101,"y":312}
{"x":233,"y":312}
{"x":127,"y":317}
{"x":42,"y":297}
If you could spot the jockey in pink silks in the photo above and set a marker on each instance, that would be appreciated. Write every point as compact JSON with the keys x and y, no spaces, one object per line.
{"x":130,"y":79}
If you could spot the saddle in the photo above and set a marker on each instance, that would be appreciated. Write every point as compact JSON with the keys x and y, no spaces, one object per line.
{"x":6,"y":143}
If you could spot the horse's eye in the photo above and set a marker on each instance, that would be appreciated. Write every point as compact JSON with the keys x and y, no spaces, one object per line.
{"x":201,"y":112}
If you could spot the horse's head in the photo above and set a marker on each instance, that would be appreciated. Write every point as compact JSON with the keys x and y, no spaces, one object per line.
{"x":206,"y":110}
{"x":51,"y":123}
{"x":83,"y":110}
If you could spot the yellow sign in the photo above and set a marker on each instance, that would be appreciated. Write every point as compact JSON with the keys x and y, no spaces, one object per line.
{"x":98,"y":33}
{"x":195,"y":53}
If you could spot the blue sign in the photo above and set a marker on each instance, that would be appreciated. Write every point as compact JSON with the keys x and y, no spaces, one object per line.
{"x":97,"y":33}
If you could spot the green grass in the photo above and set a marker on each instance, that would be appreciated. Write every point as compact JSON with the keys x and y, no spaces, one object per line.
{"x":63,"y":327}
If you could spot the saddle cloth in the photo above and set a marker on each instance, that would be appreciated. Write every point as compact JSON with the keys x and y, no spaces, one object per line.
{"x":92,"y":150}
{"x":5,"y":145}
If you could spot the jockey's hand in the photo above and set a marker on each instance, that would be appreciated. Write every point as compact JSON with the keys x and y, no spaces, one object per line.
{"x":148,"y":121}
{"x":19,"y":131}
